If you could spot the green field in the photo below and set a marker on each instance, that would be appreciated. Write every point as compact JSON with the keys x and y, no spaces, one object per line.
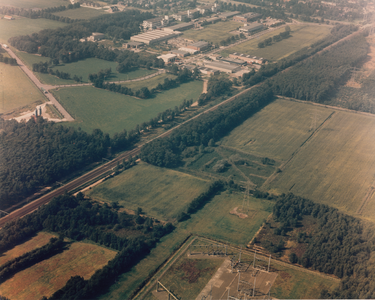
{"x":336,"y":166}
{"x":48,"y":276}
{"x":33,"y":3}
{"x":22,"y":26}
{"x":301,"y":36}
{"x":149,"y":83}
{"x":80,"y":68}
{"x":112,"y":112}
{"x":81,"y":13}
{"x":213,"y":33}
{"x":17,"y":90}
{"x":277,"y":130}
{"x":162,"y":193}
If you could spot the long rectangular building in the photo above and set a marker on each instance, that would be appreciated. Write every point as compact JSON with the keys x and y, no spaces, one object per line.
{"x":154,"y":36}
{"x":222,"y":67}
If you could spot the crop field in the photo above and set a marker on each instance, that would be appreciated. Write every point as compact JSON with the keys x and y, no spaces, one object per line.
{"x":80,"y":68}
{"x":277,"y":130}
{"x":81,"y":13}
{"x":23,"y":26}
{"x":16,"y":89}
{"x":336,"y":166}
{"x":46,"y":277}
{"x":213,"y":33}
{"x":113,"y":112}
{"x":162,"y":193}
{"x":36,"y":242}
{"x":32,"y":3}
{"x":301,"y":36}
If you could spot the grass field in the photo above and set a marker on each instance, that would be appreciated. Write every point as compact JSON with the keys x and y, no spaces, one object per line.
{"x":335,"y":167}
{"x":162,"y":193}
{"x":150,"y":83}
{"x":113,"y":112}
{"x":32,"y":3}
{"x":22,"y":26}
{"x":36,"y":242}
{"x":80,"y":68}
{"x":277,"y":130}
{"x":81,"y":13}
{"x":16,"y":89}
{"x":301,"y":36}
{"x":213,"y":33}
{"x":46,"y":277}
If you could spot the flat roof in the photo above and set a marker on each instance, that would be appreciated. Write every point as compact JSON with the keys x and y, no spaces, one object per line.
{"x":135,"y":43}
{"x":154,"y":34}
{"x":169,"y":55}
{"x":221,"y":65}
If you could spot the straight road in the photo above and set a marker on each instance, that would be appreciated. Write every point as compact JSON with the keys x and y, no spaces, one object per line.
{"x":39,"y":85}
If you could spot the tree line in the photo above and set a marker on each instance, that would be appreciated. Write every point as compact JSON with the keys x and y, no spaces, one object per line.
{"x":43,"y":67}
{"x":276,"y":38}
{"x":8,"y":60}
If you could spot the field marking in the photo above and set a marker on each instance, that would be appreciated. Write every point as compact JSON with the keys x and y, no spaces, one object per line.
{"x":366,"y":199}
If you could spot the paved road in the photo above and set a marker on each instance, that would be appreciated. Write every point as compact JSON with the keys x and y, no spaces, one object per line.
{"x":39,"y":85}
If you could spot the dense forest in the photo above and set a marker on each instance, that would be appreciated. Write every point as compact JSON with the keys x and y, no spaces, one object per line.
{"x":315,"y":79}
{"x":38,"y":153}
{"x":79,"y":218}
{"x":341,"y":245}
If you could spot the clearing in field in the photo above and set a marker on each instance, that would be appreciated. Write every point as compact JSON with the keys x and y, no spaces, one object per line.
{"x":301,"y":36}
{"x":112,"y":112}
{"x":80,"y":68}
{"x":48,"y":276}
{"x":17,"y":90}
{"x":81,"y":13}
{"x":213,"y":33}
{"x":336,"y":166}
{"x":161,"y":193}
{"x":32,"y":3}
{"x":278,"y":130}
{"x":36,"y":242}
{"x":22,"y":26}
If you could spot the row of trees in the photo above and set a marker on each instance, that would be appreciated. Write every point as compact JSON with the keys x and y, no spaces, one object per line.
{"x":276,"y":38}
{"x":43,"y":67}
{"x":8,"y":60}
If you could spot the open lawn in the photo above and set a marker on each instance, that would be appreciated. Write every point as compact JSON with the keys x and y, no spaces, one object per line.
{"x":46,"y":277}
{"x":213,"y":33}
{"x":277,"y":130}
{"x":36,"y":242}
{"x":22,"y":26}
{"x":16,"y":89}
{"x":112,"y":112}
{"x":336,"y":166}
{"x":80,"y":68}
{"x":81,"y":13}
{"x":32,"y":3}
{"x":301,"y":36}
{"x":161,"y":193}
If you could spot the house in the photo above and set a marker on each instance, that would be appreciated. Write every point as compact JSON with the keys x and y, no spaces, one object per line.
{"x":8,"y":17}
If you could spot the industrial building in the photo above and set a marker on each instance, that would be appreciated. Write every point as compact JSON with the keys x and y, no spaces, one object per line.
{"x":155,"y":23}
{"x":96,"y":36}
{"x":252,"y":27}
{"x":180,"y":53}
{"x":233,"y":61}
{"x":199,"y":46}
{"x":168,"y":58}
{"x":154,"y":36}
{"x":246,"y":17}
{"x":222,"y":67}
{"x":179,"y":27}
{"x":191,"y":51}
{"x":229,"y":14}
{"x":247,"y":58}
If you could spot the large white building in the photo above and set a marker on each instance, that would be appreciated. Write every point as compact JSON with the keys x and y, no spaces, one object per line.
{"x":154,"y":36}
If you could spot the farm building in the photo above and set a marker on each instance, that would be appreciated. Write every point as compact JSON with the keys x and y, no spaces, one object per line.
{"x":226,"y":15}
{"x":247,"y":58}
{"x":180,"y":27}
{"x":168,"y":58}
{"x":253,"y":27}
{"x":222,"y":67}
{"x":155,"y":23}
{"x":180,"y":53}
{"x":199,"y":46}
{"x":154,"y":36}
{"x":9,"y":17}
{"x":246,"y":17}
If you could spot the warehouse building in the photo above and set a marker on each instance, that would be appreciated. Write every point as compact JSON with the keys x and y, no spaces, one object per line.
{"x":222,"y":67}
{"x":227,"y":15}
{"x":179,"y":27}
{"x":191,"y":51}
{"x":180,"y":53}
{"x":246,"y":17}
{"x":168,"y":58}
{"x":199,"y":46}
{"x":247,"y":58}
{"x":252,"y":27}
{"x":154,"y":36}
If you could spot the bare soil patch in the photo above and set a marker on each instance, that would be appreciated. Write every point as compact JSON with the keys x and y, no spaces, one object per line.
{"x":240,"y":215}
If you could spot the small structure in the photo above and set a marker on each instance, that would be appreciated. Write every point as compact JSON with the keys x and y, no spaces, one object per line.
{"x":179,"y":27}
{"x":96,"y":36}
{"x":134,"y":45}
{"x":245,"y":18}
{"x":199,"y":46}
{"x":8,"y":17}
{"x":252,"y":27}
{"x":168,"y":58}
{"x":222,"y":67}
{"x":154,"y":36}
{"x":180,"y":53}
